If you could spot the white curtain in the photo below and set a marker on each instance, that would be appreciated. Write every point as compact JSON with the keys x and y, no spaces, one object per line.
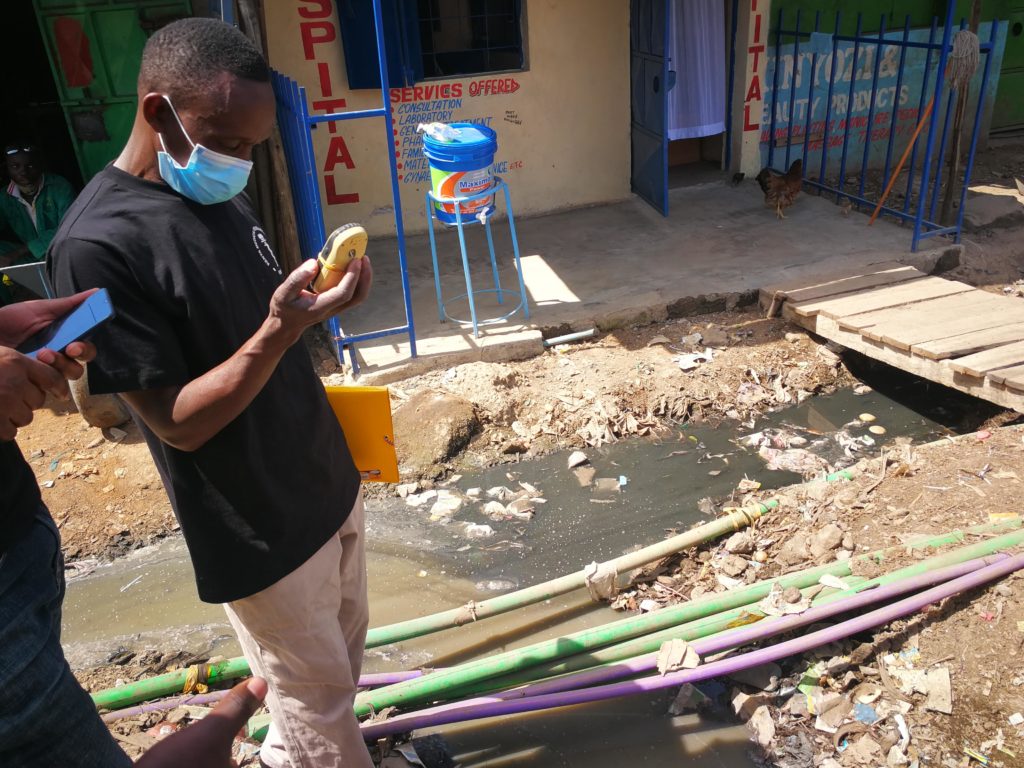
{"x":696,"y":105}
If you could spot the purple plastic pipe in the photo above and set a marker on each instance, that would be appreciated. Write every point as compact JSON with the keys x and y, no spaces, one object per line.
{"x":369,"y":680}
{"x":723,"y":641}
{"x":484,"y":707}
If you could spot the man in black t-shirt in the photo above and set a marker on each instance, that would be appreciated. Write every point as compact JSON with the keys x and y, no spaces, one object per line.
{"x":46,"y":718}
{"x":204,"y":349}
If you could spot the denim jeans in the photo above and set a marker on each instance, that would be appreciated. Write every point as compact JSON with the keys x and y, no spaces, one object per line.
{"x":46,"y":718}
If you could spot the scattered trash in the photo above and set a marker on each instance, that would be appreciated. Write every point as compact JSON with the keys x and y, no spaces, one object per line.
{"x":132,"y":583}
{"x":1016,"y":719}
{"x":797,"y":460}
{"x":494,"y":509}
{"x":865,"y":713}
{"x":570,"y":337}
{"x":778,"y":603}
{"x":982,"y":435}
{"x":676,"y":654}
{"x":828,"y":580}
{"x":875,"y":429}
{"x":419,"y":499}
{"x":658,"y":340}
{"x":577,"y":459}
{"x":623,"y":481}
{"x":607,"y":484}
{"x":940,"y":691}
{"x":867,"y":418}
{"x":689,"y":699}
{"x":692,"y":360}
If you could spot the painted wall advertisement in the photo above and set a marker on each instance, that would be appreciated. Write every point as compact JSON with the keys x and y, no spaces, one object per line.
{"x":803,"y":102}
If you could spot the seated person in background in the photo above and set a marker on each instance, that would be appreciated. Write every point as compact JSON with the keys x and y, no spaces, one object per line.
{"x":31,"y":206}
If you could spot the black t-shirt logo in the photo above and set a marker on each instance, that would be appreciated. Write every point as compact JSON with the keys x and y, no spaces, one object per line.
{"x":259,"y":239}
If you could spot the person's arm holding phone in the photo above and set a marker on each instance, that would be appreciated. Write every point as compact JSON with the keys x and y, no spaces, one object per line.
{"x":25,"y":382}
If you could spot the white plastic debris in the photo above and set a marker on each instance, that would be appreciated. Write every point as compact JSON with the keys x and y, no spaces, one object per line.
{"x":438,"y":131}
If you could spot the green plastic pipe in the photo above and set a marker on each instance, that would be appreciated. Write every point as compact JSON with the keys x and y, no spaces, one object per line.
{"x":173,"y":682}
{"x":433,"y":686}
{"x":731,"y":619}
{"x":641,"y":646}
{"x":168,"y":683}
{"x":538,"y":593}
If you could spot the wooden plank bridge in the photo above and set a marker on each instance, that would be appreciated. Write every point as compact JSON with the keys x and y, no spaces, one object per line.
{"x":941,"y":330}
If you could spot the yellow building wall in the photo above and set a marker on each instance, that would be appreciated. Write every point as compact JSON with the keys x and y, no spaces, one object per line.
{"x":562,"y":124}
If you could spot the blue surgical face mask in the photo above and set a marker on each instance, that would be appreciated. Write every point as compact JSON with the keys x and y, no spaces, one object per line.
{"x":209,"y":177}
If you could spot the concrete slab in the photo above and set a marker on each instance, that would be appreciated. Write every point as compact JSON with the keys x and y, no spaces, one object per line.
{"x":615,"y":265}
{"x":989,"y":205}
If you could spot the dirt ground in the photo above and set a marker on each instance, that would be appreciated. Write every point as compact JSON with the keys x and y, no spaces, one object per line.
{"x":978,"y":637}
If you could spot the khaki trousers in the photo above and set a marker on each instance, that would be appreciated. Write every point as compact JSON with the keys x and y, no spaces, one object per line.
{"x":305,"y":635}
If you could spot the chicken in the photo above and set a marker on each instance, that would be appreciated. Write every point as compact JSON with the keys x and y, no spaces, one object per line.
{"x":780,"y":190}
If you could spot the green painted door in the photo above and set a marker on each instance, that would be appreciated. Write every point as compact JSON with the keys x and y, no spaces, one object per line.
{"x":95,"y":47}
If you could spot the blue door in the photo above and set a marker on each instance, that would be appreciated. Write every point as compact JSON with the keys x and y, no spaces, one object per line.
{"x":649,"y":21}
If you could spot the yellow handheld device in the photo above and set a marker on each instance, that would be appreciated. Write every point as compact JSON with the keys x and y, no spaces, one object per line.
{"x":344,"y":245}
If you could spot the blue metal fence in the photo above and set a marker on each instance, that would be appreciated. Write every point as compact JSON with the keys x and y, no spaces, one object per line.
{"x":863,"y":126}
{"x":296,"y":125}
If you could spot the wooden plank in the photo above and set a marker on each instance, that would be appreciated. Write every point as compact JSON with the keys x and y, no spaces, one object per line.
{"x":991,"y":359}
{"x":910,"y":292}
{"x":1011,"y":378}
{"x":849,"y":285}
{"x":779,"y":291}
{"x":969,"y":343}
{"x":929,"y":309}
{"x":919,"y":366}
{"x":905,"y":337}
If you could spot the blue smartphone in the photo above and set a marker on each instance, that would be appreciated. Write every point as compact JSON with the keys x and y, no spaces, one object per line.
{"x":74,"y":326}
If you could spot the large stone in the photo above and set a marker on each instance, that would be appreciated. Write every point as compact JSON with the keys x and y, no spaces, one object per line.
{"x":826,"y":540}
{"x":794,"y":550}
{"x":431,"y":428}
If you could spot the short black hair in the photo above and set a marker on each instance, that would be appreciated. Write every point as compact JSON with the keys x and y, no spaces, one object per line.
{"x":185,"y":56}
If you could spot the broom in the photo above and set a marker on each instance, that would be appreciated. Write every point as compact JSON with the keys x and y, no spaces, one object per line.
{"x":960,"y":68}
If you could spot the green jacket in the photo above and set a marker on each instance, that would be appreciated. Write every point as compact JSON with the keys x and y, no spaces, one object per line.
{"x":52,"y":202}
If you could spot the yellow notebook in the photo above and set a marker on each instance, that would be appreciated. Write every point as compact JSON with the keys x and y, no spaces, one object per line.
{"x":365,"y":416}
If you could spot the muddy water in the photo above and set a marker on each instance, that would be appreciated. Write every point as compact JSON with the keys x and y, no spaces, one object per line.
{"x":417,"y":567}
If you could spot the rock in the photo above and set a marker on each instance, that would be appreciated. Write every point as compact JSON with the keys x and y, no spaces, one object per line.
{"x":577,"y":459}
{"x":500,"y":492}
{"x":405,"y":489}
{"x":445,"y":506}
{"x":760,"y":556}
{"x":715,"y":337}
{"x":792,"y":595}
{"x":431,"y":428}
{"x":474,"y":493}
{"x":794,"y":551}
{"x":419,"y":499}
{"x":795,"y":338}
{"x":514,"y":447}
{"x":825,"y":540}
{"x":848,"y":542}
{"x":765,"y":677}
{"x":521,"y":509}
{"x":477,"y":531}
{"x":762,"y":726}
{"x":829,"y":357}
{"x":734,"y":566}
{"x":741,"y":543}
{"x":98,"y":410}
{"x":494,"y":509}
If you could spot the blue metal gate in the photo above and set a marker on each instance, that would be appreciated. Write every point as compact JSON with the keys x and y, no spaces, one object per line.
{"x":296,"y":125}
{"x":845,"y":132}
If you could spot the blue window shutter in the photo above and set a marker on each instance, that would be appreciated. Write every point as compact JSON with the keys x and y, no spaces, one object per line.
{"x":359,"y":40}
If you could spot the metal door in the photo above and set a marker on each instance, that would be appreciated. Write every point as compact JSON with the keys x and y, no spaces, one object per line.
{"x":95,"y":47}
{"x":649,"y":100}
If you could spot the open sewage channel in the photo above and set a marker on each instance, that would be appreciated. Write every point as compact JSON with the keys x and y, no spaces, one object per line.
{"x":638,"y":490}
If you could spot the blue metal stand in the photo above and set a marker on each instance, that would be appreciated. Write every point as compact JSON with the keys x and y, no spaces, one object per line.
{"x":457,"y":203}
{"x":296,"y":123}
